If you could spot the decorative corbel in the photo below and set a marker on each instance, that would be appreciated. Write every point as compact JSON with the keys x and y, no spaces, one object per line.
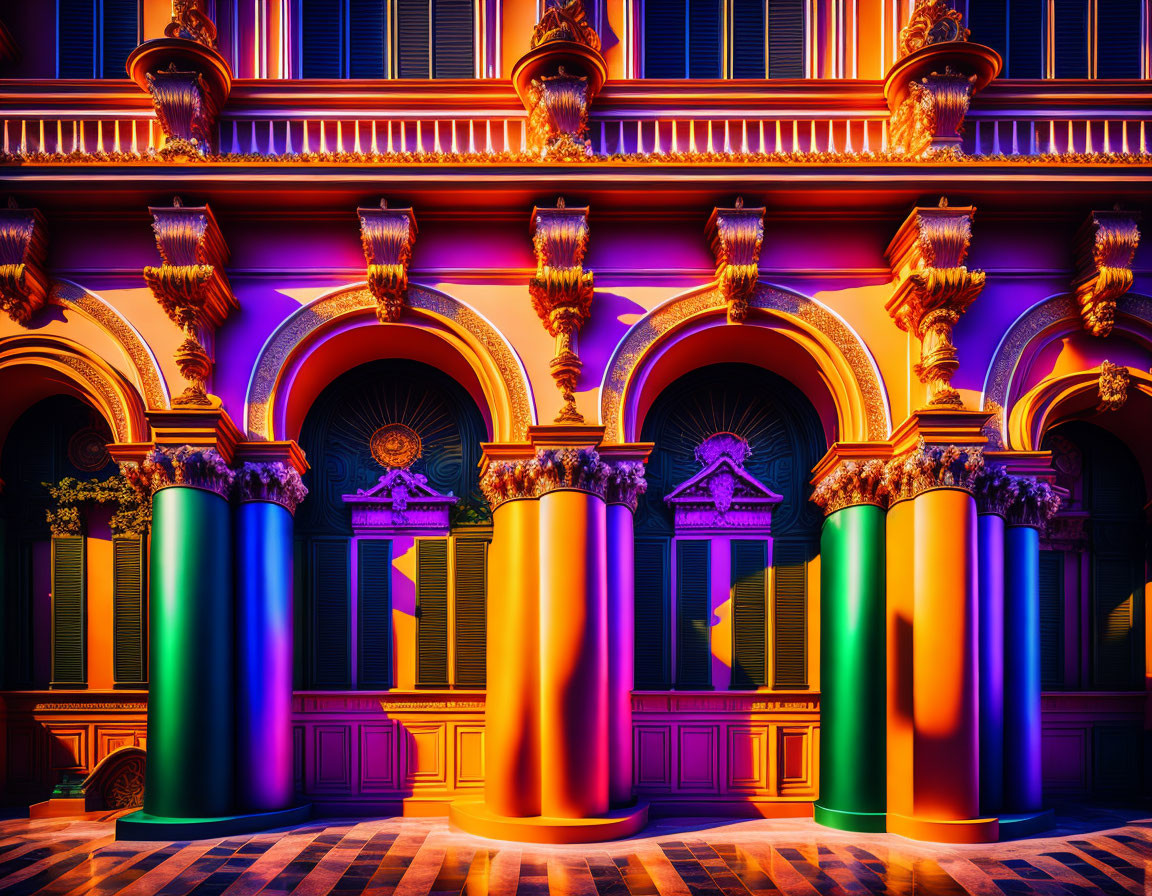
{"x":736,"y":235}
{"x":933,"y":289}
{"x":23,"y":250}
{"x":387,"y":235}
{"x":1105,"y":247}
{"x":192,"y":288}
{"x":562,"y":292}
{"x":1115,"y":381}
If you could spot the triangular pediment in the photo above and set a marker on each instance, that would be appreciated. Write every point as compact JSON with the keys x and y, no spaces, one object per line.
{"x":723,"y":495}
{"x":400,"y":500}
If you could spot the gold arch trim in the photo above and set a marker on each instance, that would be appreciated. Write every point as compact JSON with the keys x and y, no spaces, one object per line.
{"x":477,"y":333}
{"x":836,"y":336}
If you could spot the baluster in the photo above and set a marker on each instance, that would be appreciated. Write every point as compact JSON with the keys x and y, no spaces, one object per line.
{"x":1089,"y":147}
{"x":760,"y":142}
{"x":488,"y":136}
{"x":252,"y":148}
{"x":620,"y":138}
{"x":471,"y":136}
{"x":419,"y":137}
{"x":711,"y":145}
{"x":603,"y":138}
{"x":99,"y":135}
{"x":356,"y":137}
{"x":1015,"y":137}
{"x":506,"y":145}
{"x":1107,"y":136}
{"x":744,"y":136}
{"x":436,"y":136}
{"x":304,"y":138}
{"x":1124,"y":136}
{"x":884,"y":135}
{"x":812,"y":144}
{"x":674,"y":146}
{"x":288,"y":136}
{"x":40,"y":147}
{"x":867,"y":147}
{"x":524,"y":135}
{"x":60,"y":136}
{"x":1071,"y":147}
{"x":375,"y":145}
{"x":323,"y":138}
{"x":656,"y":137}
{"x":388,"y":137}
{"x":639,"y":136}
{"x":151,"y":134}
{"x":1032,"y":148}
{"x":6,"y":134}
{"x":795,"y":135}
{"x":271,"y":138}
{"x":778,"y":146}
{"x":339,"y":136}
{"x":1143,"y":142}
{"x":692,"y":135}
{"x":1052,"y":137}
{"x":727,"y":139}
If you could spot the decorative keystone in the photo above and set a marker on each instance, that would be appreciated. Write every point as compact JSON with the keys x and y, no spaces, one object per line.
{"x":1115,"y":381}
{"x":23,"y":250}
{"x":736,"y":235}
{"x":388,"y":235}
{"x":1105,"y":247}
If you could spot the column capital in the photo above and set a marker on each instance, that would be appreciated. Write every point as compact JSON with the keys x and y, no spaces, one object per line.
{"x":993,"y":490}
{"x":1031,"y":502}
{"x":933,"y":466}
{"x":270,"y":472}
{"x":188,"y":466}
{"x":851,"y":474}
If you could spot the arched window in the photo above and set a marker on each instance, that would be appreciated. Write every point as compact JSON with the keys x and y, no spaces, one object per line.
{"x":723,"y":38}
{"x":94,"y":37}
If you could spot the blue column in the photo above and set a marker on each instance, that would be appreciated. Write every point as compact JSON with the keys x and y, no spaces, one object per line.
{"x":1022,"y":721}
{"x":990,"y":535}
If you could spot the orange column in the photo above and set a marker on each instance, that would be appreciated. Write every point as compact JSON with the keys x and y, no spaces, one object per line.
{"x":900,"y":541}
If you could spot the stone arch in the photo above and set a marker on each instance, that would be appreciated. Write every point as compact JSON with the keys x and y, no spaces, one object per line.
{"x":434,"y":327}
{"x":854,"y":397}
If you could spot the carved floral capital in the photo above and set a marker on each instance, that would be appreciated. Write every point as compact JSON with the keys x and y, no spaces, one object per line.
{"x":1115,"y":381}
{"x":737,"y":235}
{"x":274,"y":482}
{"x":549,"y":470}
{"x":932,"y":466}
{"x":626,"y":483}
{"x":23,"y":250}
{"x":388,"y":235}
{"x":993,"y":490}
{"x":187,"y":466}
{"x":1105,"y":247}
{"x":1031,"y":502}
{"x":851,"y":484}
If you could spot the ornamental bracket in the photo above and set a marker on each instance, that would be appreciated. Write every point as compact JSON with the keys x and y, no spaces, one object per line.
{"x":192,"y":288}
{"x":1105,"y":247}
{"x":933,"y":289}
{"x":23,"y":250}
{"x":387,"y":235}
{"x":562,"y":292}
{"x":736,"y":235}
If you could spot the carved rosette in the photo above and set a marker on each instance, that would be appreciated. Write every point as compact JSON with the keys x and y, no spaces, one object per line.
{"x":933,"y":288}
{"x":387,"y":235}
{"x":186,"y":466}
{"x":993,"y":490}
{"x":1115,"y":381}
{"x":23,"y":250}
{"x":551,"y":469}
{"x":1105,"y":247}
{"x":562,"y":293}
{"x":737,"y":235}
{"x":192,"y":288}
{"x":932,"y":466}
{"x":276,"y":483}
{"x":626,"y":483}
{"x":1031,"y":502}
{"x":851,"y":484}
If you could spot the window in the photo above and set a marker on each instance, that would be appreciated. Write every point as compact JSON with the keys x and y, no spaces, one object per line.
{"x":723,"y":38}
{"x":94,"y":37}
{"x":379,"y":39}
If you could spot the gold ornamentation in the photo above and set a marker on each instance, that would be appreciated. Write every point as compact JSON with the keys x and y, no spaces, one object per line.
{"x":187,"y":466}
{"x":192,"y":288}
{"x":191,"y":22}
{"x":1115,"y":381}
{"x":97,"y":380}
{"x":851,"y":484}
{"x":932,"y":466}
{"x":387,"y":236}
{"x":551,"y":469}
{"x":125,"y":787}
{"x":23,"y":251}
{"x":275,"y":482}
{"x":932,"y":22}
{"x":736,"y":235}
{"x":994,"y":428}
{"x":396,"y":446}
{"x":565,"y":20}
{"x":930,"y":119}
{"x":1105,"y":247}
{"x":933,"y":288}
{"x":562,"y":293}
{"x":558,"y":117}
{"x":187,"y":112}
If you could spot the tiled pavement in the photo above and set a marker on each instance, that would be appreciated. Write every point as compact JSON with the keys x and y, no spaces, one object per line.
{"x":1092,"y":851}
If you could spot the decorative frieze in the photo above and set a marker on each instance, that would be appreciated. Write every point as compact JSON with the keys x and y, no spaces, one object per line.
{"x":400,"y":499}
{"x":192,"y":288}
{"x":275,"y":482}
{"x":23,"y":251}
{"x":188,"y":466}
{"x":1105,"y":247}
{"x":933,"y":466}
{"x":1115,"y":381}
{"x":550,"y":469}
{"x":851,"y":484}
{"x":626,"y":483}
{"x":1031,"y":502}
{"x":723,"y":495}
{"x":562,"y":293}
{"x":933,"y":289}
{"x":388,"y":235}
{"x":736,"y":236}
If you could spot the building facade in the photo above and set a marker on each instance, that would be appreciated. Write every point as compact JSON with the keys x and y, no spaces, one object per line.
{"x":552,"y":414}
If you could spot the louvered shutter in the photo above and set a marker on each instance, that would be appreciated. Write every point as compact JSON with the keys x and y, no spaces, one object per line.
{"x":471,"y":620}
{"x":322,"y":38}
{"x":748,"y":38}
{"x":749,"y":609}
{"x":693,"y":644}
{"x":704,"y":38}
{"x":1070,"y":38}
{"x":452,"y":39}
{"x":302,"y":633}
{"x":76,"y":38}
{"x":412,"y":39}
{"x":1118,"y":39}
{"x":331,"y":666}
{"x":1025,"y":39}
{"x":651,"y":609}
{"x":432,"y":613}
{"x":1052,"y":619}
{"x":665,"y":39}
{"x":1113,"y":586}
{"x":790,"y":617}
{"x":366,"y":24}
{"x":785,"y":38}
{"x":69,"y":662}
{"x":374,"y":614}
{"x":121,"y":35}
{"x":129,"y":664}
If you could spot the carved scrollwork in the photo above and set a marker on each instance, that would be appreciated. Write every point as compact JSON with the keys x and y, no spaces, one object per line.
{"x":558,"y":117}
{"x":187,"y":112}
{"x":190,"y":21}
{"x":1105,"y":247}
{"x":851,"y":484}
{"x":737,"y":235}
{"x":932,"y":466}
{"x":565,"y":20}
{"x":1115,"y":381}
{"x":23,"y":250}
{"x":387,"y":235}
{"x":931,"y":117}
{"x":932,"y":22}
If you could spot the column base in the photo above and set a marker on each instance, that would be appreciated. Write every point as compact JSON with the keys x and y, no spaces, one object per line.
{"x":936,"y":830}
{"x":843,"y":820}
{"x":1013,"y":826}
{"x":141,"y":826}
{"x":474,"y":817}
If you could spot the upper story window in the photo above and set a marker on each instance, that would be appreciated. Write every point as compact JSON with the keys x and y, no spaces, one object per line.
{"x":723,"y":38}
{"x":387,"y":38}
{"x":1061,"y":38}
{"x":94,"y":37}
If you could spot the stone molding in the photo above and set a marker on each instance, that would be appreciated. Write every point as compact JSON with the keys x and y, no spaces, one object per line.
{"x":932,"y":466}
{"x":1105,"y":246}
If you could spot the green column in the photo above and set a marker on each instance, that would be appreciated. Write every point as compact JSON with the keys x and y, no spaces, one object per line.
{"x":852,"y":670}
{"x":190,"y":700}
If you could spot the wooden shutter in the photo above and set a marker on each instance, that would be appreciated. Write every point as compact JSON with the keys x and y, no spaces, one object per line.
{"x":432,"y":613}
{"x":1052,"y":619}
{"x":471,"y":619}
{"x":1118,"y":39}
{"x":121,"y":35}
{"x":749,"y":611}
{"x":1025,"y":39}
{"x":412,"y":39}
{"x":321,"y":30}
{"x":366,"y":23}
{"x":651,"y":609}
{"x":785,"y":38}
{"x":331,"y":666}
{"x":453,"y":51}
{"x":1070,"y":38}
{"x":704,"y":39}
{"x":374,"y":616}
{"x":1113,"y":585}
{"x":790,"y":617}
{"x":747,"y":38}
{"x":76,"y":38}
{"x":665,"y":39}
{"x":693,"y":614}
{"x":69,"y":660}
{"x":129,"y":664}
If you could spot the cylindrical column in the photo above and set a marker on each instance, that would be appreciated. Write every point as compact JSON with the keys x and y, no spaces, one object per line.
{"x":900,"y":533}
{"x":621,"y":650}
{"x":190,"y":700}
{"x":990,"y":536}
{"x":852,"y":663}
{"x":573,"y":655}
{"x":1022,"y":720}
{"x":512,"y":713}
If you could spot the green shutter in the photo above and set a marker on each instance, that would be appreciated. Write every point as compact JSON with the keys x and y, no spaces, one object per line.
{"x":693,"y":613}
{"x":129,"y":665}
{"x":790,"y":617}
{"x":331,"y":667}
{"x":69,"y":662}
{"x":471,"y":583}
{"x":1052,"y":619}
{"x":749,"y":608}
{"x":651,"y":608}
{"x":374,"y":629}
{"x":432,"y":613}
